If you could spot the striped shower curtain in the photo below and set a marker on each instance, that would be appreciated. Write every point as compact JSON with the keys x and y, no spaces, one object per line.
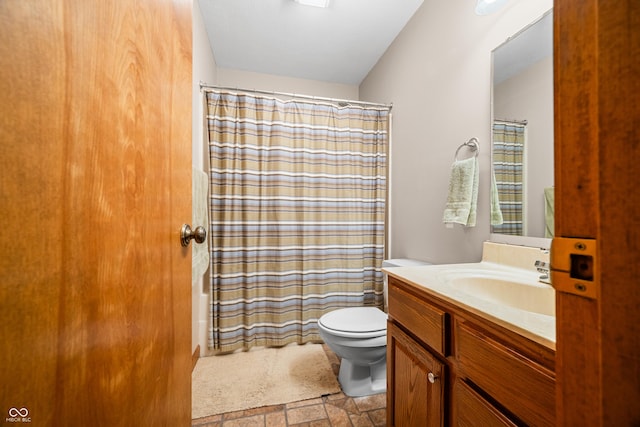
{"x":508,"y":151}
{"x":298,"y":192}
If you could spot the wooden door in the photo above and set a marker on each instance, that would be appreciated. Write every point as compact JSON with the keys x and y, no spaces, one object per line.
{"x":597,"y":177}
{"x":95,"y":130}
{"x":415,"y":393}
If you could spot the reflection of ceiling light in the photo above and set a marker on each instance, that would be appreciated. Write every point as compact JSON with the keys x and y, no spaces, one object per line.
{"x":485,"y":7}
{"x":316,"y":3}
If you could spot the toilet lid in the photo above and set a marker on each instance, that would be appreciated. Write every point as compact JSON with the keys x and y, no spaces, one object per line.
{"x":356,"y":320}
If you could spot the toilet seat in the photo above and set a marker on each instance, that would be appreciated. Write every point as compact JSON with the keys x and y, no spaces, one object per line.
{"x":355,"y":322}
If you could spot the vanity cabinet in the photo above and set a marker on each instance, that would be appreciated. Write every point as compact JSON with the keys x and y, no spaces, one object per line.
{"x":449,"y":366}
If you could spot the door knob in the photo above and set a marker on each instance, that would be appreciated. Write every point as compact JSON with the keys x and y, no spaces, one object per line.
{"x":186,"y":234}
{"x":432,"y":377}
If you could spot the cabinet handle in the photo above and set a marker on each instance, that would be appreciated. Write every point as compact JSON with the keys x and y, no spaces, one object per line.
{"x":432,"y":377}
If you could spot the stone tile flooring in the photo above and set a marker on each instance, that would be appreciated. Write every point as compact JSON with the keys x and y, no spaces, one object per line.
{"x":335,"y":410}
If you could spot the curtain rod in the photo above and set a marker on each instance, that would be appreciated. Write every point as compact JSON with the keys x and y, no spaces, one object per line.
{"x":520,"y":122}
{"x":205,"y":87}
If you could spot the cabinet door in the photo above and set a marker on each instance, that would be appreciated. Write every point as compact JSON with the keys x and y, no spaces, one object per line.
{"x":415,"y":383}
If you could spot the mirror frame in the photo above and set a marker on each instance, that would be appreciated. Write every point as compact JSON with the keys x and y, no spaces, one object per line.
{"x":536,"y":242}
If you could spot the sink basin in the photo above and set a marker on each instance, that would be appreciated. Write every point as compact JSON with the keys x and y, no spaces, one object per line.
{"x":511,"y":297}
{"x":522,"y":292}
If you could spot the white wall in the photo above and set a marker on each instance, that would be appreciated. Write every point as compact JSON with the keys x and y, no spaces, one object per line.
{"x":250,"y":80}
{"x":437,"y":74}
{"x":204,"y":69}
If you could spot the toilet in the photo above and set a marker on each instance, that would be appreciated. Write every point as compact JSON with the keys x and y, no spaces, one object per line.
{"x":358,"y":335}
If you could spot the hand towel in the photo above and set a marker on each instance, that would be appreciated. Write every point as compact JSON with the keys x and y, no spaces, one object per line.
{"x":462,"y":200}
{"x":496,"y":212}
{"x":548,"y":212}
{"x":200,"y":217}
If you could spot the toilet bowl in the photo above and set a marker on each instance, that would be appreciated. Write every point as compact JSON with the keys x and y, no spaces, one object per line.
{"x":358,"y":335}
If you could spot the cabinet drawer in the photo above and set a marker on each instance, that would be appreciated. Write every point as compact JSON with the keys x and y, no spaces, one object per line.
{"x":426,"y":322}
{"x":522,"y":386}
{"x":473,"y":410}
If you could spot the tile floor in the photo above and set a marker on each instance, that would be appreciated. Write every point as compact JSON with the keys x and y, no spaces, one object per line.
{"x":335,"y":410}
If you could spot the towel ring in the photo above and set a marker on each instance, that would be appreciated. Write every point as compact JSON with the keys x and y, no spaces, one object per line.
{"x":473,"y":146}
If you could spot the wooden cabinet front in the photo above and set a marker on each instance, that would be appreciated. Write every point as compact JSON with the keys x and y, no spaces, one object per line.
{"x":473,"y":410}
{"x":447,"y":366}
{"x":415,"y":391}
{"x":425,"y":321}
{"x":521,"y":385}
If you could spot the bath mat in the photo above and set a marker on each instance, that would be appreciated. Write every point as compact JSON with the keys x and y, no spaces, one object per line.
{"x":261,"y":377}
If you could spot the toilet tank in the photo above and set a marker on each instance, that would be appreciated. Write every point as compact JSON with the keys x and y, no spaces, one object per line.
{"x":397,"y":262}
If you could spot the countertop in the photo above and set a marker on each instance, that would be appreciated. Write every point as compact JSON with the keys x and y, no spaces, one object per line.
{"x":537,"y":327}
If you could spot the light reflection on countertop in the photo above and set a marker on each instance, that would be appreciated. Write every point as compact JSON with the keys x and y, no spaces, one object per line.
{"x":505,"y":308}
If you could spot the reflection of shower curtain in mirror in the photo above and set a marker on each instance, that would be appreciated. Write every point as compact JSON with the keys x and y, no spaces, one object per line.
{"x":508,"y":150}
{"x":298,"y":191}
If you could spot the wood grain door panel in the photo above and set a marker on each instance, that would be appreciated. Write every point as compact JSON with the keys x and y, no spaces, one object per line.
{"x":414,"y":400}
{"x":96,"y":182}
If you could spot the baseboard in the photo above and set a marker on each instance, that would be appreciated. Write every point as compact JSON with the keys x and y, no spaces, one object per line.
{"x":195,"y":357}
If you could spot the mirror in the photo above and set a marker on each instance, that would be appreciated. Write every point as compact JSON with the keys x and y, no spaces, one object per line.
{"x":522,"y":136}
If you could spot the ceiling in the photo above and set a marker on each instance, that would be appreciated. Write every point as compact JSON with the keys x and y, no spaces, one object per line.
{"x":339,"y":44}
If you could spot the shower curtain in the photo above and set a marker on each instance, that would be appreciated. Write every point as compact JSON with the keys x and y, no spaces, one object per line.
{"x":508,"y":154}
{"x":298,"y":193}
